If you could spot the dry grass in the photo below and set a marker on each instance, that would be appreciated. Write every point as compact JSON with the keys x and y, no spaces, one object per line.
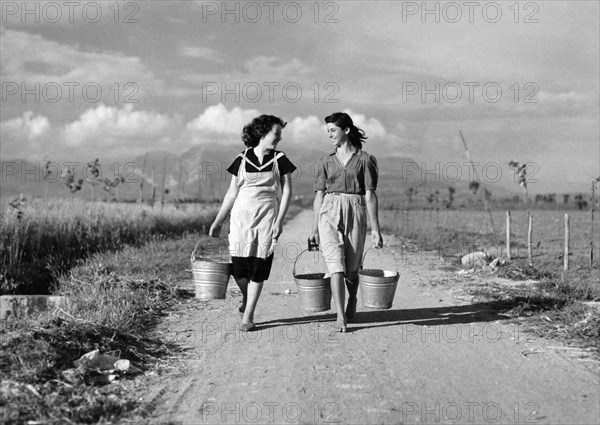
{"x":39,"y":241}
{"x":554,"y":306}
{"x":115,"y":300}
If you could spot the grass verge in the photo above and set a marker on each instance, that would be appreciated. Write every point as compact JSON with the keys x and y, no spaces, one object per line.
{"x":40,"y":241}
{"x":115,"y":301}
{"x":556,"y":304}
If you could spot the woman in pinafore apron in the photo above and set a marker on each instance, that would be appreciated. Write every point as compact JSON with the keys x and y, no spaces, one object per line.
{"x":260,"y":174}
{"x":345,"y":184}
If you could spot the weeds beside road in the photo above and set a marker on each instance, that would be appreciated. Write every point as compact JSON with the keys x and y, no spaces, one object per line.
{"x":40,"y":241}
{"x":117,"y":298}
{"x":553,"y":299}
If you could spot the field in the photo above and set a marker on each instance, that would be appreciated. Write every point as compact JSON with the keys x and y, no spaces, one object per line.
{"x":559,"y":303}
{"x":428,"y":226}
{"x":40,"y":241}
{"x":122,"y":265}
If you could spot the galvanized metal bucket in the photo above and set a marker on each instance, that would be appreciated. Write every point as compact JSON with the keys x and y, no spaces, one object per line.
{"x":210,"y":277}
{"x":314,"y":290}
{"x":377,"y":286}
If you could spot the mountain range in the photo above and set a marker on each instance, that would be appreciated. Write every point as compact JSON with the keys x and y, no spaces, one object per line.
{"x":201,"y":173}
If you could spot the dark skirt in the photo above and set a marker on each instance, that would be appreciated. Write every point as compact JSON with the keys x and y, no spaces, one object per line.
{"x":252,"y":268}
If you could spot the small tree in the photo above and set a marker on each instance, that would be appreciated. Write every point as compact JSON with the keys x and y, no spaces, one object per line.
{"x":94,"y":169}
{"x":68,"y":177}
{"x":451,"y":192}
{"x":521,"y":170}
{"x":474,"y":186}
{"x":411,"y":192}
{"x":47,"y":176}
{"x":111,"y":187}
{"x":18,"y":204}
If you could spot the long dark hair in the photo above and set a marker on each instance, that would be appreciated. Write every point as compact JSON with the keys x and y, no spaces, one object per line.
{"x":259,"y":128}
{"x":341,"y":119}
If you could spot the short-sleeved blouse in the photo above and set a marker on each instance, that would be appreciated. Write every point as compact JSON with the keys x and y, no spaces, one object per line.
{"x":359,"y":175}
{"x":283,"y":163}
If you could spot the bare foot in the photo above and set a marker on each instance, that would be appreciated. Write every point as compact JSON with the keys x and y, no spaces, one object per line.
{"x":247,"y":327}
{"x":340,"y":325}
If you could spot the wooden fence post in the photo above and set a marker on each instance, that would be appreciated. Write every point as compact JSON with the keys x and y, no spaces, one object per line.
{"x":508,"y":235}
{"x":566,"y":256}
{"x":593,"y":205}
{"x":529,"y":234}
{"x":592,"y":240}
{"x":162,"y":185}
{"x":141,"y":198}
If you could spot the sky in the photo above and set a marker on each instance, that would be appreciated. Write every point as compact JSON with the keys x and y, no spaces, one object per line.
{"x":114,"y":80}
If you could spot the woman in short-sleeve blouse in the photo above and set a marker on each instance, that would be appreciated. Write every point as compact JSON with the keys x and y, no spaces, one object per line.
{"x":260,"y":174}
{"x":345,"y":184}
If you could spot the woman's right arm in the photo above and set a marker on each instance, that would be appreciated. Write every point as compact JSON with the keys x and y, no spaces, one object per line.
{"x":314,"y":234}
{"x":228,"y":200}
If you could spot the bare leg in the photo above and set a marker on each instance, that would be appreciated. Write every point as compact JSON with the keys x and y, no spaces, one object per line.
{"x":352,"y":285}
{"x":243,"y":285}
{"x":254,"y":289}
{"x":339,"y":293}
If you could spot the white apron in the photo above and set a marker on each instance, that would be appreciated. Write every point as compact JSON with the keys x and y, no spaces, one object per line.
{"x":255,"y":210}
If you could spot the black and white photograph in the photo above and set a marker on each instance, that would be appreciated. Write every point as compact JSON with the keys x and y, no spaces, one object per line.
{"x":299,"y":212}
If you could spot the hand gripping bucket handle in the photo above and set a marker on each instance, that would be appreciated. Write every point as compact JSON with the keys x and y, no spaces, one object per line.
{"x":378,"y":249}
{"x":297,"y":258}
{"x":314,"y":290}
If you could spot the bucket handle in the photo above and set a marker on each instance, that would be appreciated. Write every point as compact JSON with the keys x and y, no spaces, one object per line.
{"x":383,"y":249}
{"x":298,"y":257}
{"x":193,"y":256}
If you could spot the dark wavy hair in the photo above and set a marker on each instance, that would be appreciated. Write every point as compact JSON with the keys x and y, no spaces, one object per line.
{"x":342,"y":120}
{"x":259,"y":128}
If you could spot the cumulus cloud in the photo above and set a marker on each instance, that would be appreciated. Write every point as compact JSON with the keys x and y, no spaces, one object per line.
{"x":308,"y":131}
{"x":126,"y":128}
{"x":217,"y":119}
{"x":29,"y":126}
{"x":25,"y":135}
{"x":371,"y":126}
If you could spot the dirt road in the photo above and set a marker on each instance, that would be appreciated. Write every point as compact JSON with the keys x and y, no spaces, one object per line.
{"x":434,"y":357}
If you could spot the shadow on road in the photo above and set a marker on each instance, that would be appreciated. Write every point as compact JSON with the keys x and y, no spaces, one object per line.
{"x":434,"y":316}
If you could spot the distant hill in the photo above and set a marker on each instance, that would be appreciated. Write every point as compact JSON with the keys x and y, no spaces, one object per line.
{"x":201,"y":173}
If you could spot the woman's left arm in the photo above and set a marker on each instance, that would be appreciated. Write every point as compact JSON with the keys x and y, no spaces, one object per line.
{"x":286,"y":197}
{"x":373,"y":211}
